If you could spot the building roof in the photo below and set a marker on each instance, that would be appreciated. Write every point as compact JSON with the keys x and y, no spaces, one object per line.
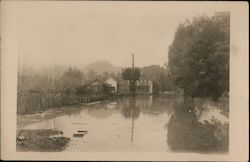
{"x":97,"y":80}
{"x":111,"y":78}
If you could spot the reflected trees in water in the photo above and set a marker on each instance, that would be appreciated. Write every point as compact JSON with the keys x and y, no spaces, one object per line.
{"x":129,"y":109}
{"x":187,"y":134}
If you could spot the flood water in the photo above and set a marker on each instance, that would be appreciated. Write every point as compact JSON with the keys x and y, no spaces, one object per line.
{"x":140,"y":124}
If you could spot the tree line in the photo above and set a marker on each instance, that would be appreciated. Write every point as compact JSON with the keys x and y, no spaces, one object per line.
{"x":69,"y":80}
{"x":65,"y":80}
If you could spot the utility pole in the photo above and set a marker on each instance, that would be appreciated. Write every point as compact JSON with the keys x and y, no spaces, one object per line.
{"x":133,"y":65}
{"x":133,"y":75}
{"x":133,"y":99}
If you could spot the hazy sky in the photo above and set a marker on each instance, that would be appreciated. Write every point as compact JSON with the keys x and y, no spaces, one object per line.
{"x":79,"y":33}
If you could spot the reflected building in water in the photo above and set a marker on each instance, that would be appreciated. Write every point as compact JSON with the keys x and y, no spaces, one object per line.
{"x":132,"y":107}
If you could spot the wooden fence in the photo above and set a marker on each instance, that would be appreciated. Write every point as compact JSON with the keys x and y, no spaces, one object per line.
{"x":36,"y":102}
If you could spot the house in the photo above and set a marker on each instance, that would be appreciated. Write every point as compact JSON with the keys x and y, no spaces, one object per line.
{"x":112,"y":83}
{"x":141,"y":87}
{"x":96,"y":90}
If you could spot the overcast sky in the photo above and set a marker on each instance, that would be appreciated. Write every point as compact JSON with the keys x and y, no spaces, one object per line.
{"x":79,"y":33}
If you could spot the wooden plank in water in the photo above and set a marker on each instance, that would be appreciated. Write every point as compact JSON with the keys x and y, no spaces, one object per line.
{"x":78,"y":135}
{"x":82,"y":131}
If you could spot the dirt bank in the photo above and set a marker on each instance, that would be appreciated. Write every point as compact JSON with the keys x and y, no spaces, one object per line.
{"x":45,"y":140}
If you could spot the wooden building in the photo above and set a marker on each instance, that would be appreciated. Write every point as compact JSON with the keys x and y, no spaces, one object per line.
{"x":97,"y":90}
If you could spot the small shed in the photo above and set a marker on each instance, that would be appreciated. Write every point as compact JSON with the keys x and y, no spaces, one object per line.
{"x":113,"y":83}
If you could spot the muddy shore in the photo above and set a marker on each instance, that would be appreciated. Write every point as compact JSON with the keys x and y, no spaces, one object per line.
{"x":44,"y":140}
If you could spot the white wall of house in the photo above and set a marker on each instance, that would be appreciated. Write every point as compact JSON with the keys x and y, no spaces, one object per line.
{"x":150,"y":86}
{"x":112,"y":82}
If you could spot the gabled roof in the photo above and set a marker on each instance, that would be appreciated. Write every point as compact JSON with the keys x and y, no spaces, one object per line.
{"x":98,"y":80}
{"x":111,"y":78}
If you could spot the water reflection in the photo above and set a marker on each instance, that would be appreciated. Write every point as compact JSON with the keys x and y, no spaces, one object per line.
{"x":188,"y":134}
{"x":100,"y":113}
{"x":135,"y":111}
{"x":140,"y":124}
{"x":129,"y":109}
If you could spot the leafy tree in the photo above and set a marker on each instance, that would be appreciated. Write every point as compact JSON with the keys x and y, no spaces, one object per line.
{"x":199,"y":56}
{"x":159,"y":75}
{"x":71,"y":79}
{"x":130,"y":74}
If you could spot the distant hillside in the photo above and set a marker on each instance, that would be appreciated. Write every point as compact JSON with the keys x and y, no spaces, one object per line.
{"x":101,"y":66}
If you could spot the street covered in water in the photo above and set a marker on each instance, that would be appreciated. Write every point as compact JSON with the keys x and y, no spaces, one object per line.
{"x":145,"y":123}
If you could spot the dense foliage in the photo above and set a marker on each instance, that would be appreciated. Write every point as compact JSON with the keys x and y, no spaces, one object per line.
{"x":131,"y":74}
{"x":199,"y":56}
{"x":160,"y":76}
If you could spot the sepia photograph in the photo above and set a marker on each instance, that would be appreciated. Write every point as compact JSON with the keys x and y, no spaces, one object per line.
{"x":122,"y":78}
